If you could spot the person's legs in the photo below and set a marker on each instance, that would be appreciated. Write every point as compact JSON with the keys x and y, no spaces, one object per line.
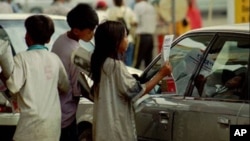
{"x":149,"y":46}
{"x":138,"y":51}
{"x":69,"y":133}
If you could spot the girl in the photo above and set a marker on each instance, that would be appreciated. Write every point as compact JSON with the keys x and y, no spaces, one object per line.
{"x":114,"y":87}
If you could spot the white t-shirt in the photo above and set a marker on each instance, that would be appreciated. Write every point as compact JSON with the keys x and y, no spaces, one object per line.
{"x":5,"y":7}
{"x":36,"y":78}
{"x":147,"y":18}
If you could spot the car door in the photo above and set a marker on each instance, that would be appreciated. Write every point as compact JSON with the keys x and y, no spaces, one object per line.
{"x":210,"y":116}
{"x":156,"y":120}
{"x":190,"y":115}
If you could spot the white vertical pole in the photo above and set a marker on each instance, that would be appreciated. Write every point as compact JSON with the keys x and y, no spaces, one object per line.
{"x":230,"y":11}
{"x":25,"y":9}
{"x":173,"y":17}
{"x":210,"y":12}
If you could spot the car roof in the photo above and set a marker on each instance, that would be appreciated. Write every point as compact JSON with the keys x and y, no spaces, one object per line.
{"x":21,"y":16}
{"x":242,"y":27}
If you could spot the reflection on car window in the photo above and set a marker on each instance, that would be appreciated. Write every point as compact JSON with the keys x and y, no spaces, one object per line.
{"x":188,"y":49}
{"x":184,"y":56}
{"x":227,"y":77}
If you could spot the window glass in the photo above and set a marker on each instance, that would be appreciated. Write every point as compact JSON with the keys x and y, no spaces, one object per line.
{"x":184,"y":56}
{"x":185,"y":51}
{"x":15,"y":32}
{"x":227,"y":78}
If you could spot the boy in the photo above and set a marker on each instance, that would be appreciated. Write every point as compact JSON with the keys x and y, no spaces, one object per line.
{"x":82,"y":20}
{"x":36,"y":78}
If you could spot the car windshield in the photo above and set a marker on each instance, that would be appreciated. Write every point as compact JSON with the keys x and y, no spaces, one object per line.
{"x":16,"y":33}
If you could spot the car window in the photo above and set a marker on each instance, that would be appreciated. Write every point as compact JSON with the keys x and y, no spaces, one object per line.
{"x":188,"y":49}
{"x":14,"y":31}
{"x":227,"y":76}
{"x":184,"y":57}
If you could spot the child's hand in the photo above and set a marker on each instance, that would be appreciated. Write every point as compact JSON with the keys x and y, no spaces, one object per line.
{"x":166,"y":69}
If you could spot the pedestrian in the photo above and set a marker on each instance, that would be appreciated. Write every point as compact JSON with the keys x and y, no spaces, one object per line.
{"x":36,"y":79}
{"x":194,"y":15}
{"x":147,"y":21}
{"x":114,"y":87}
{"x":101,"y":10}
{"x":58,"y":7}
{"x":5,"y":7}
{"x":82,"y":20}
{"x":178,"y":22}
{"x":121,"y":11}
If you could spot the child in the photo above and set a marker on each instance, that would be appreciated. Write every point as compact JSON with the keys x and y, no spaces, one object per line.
{"x":36,"y":78}
{"x":114,"y":87}
{"x":82,"y":20}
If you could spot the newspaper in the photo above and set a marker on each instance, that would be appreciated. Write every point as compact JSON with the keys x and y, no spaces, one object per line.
{"x":168,"y":84}
{"x":168,"y":39}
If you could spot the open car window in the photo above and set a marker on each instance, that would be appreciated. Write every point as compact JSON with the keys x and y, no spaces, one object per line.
{"x":228,"y":76}
{"x":187,"y":50}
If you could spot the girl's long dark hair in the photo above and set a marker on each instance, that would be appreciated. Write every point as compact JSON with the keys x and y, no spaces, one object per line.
{"x":108,"y":37}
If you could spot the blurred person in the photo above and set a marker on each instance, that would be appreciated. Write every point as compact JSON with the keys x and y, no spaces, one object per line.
{"x":36,"y":78}
{"x":101,"y":10}
{"x":194,"y":15}
{"x":58,"y":7}
{"x":229,"y":89}
{"x":180,"y":24}
{"x":162,"y":27}
{"x":115,"y":89}
{"x":82,"y":20}
{"x":145,"y":31}
{"x":117,"y":12}
{"x":5,"y":6}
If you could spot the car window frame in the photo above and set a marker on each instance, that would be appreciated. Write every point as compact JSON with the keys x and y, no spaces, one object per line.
{"x":191,"y":85}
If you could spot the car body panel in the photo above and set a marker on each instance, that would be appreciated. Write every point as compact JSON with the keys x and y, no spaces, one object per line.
{"x":195,"y":118}
{"x":189,"y":114}
{"x":12,"y":29}
{"x":183,"y":116}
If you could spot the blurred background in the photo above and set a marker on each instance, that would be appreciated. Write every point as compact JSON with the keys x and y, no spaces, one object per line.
{"x":214,"y":12}
{"x":195,"y":13}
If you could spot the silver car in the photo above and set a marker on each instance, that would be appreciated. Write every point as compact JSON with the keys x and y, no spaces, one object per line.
{"x":201,"y":105}
{"x":12,"y":29}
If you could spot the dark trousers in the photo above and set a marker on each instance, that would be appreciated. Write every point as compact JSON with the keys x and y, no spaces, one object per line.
{"x":144,"y":49}
{"x":69,"y":133}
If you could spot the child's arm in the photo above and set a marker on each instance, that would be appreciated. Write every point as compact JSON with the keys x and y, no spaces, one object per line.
{"x":164,"y":71}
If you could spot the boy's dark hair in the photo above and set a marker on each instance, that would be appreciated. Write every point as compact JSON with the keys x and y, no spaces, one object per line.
{"x":40,"y":28}
{"x":82,"y":17}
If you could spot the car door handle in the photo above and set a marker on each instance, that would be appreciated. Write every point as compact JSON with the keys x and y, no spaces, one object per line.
{"x":164,"y":118}
{"x":223,"y":120}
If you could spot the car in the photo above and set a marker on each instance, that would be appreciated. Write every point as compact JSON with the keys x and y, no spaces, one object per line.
{"x":201,"y":59}
{"x":33,"y":6}
{"x":12,"y":29}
